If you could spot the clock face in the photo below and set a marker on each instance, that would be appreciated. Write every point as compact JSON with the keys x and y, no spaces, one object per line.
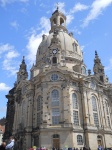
{"x":54,"y":51}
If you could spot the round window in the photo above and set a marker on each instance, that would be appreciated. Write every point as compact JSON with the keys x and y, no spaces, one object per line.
{"x":54,"y":77}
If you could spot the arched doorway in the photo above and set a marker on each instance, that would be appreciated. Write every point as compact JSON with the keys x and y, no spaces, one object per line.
{"x":56,"y":141}
{"x":100,"y":140}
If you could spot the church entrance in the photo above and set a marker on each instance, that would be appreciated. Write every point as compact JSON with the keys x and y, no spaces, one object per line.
{"x":99,"y":140}
{"x":56,"y":141}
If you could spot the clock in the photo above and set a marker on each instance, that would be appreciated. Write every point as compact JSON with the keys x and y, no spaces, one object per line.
{"x":54,"y":51}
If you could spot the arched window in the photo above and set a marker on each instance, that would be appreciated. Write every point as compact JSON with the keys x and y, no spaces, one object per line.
{"x":61,"y":21}
{"x":79,"y":140}
{"x":94,"y":104}
{"x":74,"y":101}
{"x":74,"y":47}
{"x":54,"y":60}
{"x":55,"y":109}
{"x":95,"y":113}
{"x":83,"y":69}
{"x":55,"y":97}
{"x":54,"y":21}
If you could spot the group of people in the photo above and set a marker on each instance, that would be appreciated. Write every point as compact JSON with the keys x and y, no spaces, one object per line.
{"x":11,"y":145}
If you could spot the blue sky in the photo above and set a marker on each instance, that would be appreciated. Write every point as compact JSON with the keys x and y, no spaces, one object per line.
{"x":23,"y":22}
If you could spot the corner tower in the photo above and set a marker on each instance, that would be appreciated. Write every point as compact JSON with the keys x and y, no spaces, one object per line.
{"x":98,"y":68}
{"x":22,"y":74}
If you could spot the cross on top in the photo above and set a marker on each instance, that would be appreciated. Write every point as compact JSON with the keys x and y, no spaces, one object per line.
{"x":57,"y":6}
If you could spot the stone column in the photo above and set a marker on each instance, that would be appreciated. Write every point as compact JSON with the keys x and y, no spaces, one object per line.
{"x":86,"y":108}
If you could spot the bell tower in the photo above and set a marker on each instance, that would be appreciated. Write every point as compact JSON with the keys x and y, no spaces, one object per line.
{"x":58,"y":21}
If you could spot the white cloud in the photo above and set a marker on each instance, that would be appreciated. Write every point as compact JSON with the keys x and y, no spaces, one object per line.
{"x":5,"y":2}
{"x":14,"y":24}
{"x":11,"y":55}
{"x":78,"y":7}
{"x":5,"y":47}
{"x":96,"y":9}
{"x":24,"y":10}
{"x":61,"y":6}
{"x":4,"y":87}
{"x":35,"y":38}
{"x":9,"y":63}
{"x":109,"y":67}
{"x":8,"y":55}
{"x":69,"y":14}
{"x":69,"y":19}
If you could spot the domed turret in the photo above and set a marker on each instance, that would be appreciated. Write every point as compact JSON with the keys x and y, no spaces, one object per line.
{"x":58,"y":21}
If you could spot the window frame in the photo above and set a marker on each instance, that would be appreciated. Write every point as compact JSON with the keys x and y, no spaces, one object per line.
{"x":79,"y":140}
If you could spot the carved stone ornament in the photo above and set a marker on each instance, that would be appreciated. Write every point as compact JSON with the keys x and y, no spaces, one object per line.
{"x":18,"y":96}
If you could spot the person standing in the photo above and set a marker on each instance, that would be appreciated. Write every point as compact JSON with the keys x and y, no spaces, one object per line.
{"x":99,"y":147}
{"x":11,"y":143}
{"x":2,"y":146}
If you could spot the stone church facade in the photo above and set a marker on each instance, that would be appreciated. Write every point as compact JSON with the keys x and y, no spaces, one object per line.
{"x":61,"y":105}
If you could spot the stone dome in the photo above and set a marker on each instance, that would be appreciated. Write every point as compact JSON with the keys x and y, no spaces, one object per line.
{"x":67,"y":44}
{"x":59,"y":39}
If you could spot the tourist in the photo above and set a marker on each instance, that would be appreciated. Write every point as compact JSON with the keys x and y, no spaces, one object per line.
{"x":2,"y":146}
{"x":99,"y":147}
{"x":11,"y":143}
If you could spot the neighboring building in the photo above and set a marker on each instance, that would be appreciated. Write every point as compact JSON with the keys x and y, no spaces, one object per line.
{"x":2,"y":130}
{"x":61,"y":106}
{"x":9,"y":115}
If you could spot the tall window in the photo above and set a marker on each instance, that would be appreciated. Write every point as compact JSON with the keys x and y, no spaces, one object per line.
{"x":54,"y":60}
{"x":55,"y":115}
{"x":94,"y":104}
{"x":108,"y":119}
{"x":39,"y":103}
{"x":75,"y":109}
{"x":107,"y":113}
{"x":83,"y":69}
{"x":74,"y":47}
{"x":75,"y":117}
{"x":79,"y":140}
{"x":95,"y":113}
{"x":106,"y":108}
{"x":74,"y":101}
{"x":55,"y":98}
{"x":96,"y":122}
{"x":55,"y":106}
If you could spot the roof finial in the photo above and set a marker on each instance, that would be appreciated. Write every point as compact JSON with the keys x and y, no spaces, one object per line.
{"x":57,"y":6}
{"x":23,"y":59}
{"x":96,"y":53}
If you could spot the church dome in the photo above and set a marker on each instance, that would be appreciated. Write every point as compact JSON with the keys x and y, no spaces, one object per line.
{"x":60,"y":39}
{"x":67,"y":43}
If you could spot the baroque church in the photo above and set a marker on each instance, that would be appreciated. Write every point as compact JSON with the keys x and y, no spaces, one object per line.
{"x":62,"y":104}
